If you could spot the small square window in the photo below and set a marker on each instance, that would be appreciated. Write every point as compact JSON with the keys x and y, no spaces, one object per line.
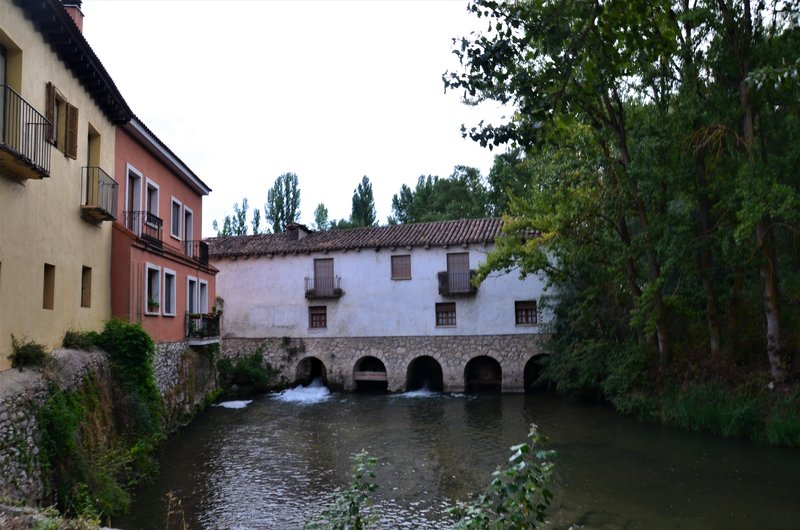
{"x":401,"y":267}
{"x":525,"y":312}
{"x":446,"y":314}
{"x":318,"y":317}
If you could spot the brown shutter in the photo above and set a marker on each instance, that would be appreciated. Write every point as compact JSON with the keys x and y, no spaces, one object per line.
{"x":401,"y":267}
{"x":72,"y":132}
{"x":50,"y":111}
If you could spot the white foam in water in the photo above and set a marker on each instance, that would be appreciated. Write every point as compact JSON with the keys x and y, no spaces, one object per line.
{"x":234,"y":404}
{"x":315,"y":392}
{"x":423,"y":392}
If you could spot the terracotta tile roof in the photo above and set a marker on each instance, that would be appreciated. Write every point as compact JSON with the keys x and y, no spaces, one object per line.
{"x":439,"y":233}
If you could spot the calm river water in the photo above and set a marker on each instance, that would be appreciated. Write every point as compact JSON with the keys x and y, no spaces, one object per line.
{"x":270,"y":463}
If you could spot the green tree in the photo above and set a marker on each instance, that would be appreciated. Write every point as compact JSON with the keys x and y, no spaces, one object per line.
{"x":650,"y":178}
{"x":363,"y":212}
{"x":321,"y":218}
{"x":461,"y":196}
{"x":283,"y":202}
{"x":235,"y":225}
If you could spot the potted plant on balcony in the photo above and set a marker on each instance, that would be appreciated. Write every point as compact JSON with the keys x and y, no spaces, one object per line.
{"x":152,"y":306}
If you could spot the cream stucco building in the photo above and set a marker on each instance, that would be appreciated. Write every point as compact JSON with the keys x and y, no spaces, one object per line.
{"x":57,"y":194}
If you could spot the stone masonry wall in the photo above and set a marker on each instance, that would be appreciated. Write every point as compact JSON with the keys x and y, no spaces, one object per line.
{"x":185,"y":379}
{"x":21,"y":394}
{"x":340,"y":355}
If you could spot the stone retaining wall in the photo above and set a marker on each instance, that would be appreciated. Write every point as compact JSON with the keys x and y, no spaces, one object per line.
{"x":21,"y":394}
{"x":340,"y":355}
{"x":185,"y":379}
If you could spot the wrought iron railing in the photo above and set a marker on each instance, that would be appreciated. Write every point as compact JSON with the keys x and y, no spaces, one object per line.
{"x":99,"y":192}
{"x":24,"y":131}
{"x":203,"y":325}
{"x":324,"y":287}
{"x":145,"y":225}
{"x":197,"y":250}
{"x":457,"y":283}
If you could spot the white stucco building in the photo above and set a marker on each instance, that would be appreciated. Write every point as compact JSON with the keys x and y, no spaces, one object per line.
{"x":366,"y":303}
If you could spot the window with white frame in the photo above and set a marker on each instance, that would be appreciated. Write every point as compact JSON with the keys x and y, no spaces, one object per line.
{"x":152,"y":288}
{"x":202,"y":300}
{"x":191,"y":295}
{"x":175,"y":218}
{"x":170,"y":284}
{"x":151,"y":198}
{"x":188,"y":229}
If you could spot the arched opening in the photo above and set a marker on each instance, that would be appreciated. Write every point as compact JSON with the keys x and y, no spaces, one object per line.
{"x":310,"y":369}
{"x":483,"y":374}
{"x":369,"y":375}
{"x":532,"y":376}
{"x":424,"y":373}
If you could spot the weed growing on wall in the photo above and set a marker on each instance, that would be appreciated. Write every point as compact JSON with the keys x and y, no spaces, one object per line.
{"x":79,"y":340}
{"x":26,"y":353}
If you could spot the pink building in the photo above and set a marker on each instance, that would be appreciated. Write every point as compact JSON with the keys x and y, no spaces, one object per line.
{"x":159,"y":266}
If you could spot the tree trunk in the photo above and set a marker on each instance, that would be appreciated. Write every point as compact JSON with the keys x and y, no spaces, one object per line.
{"x":769,"y":277}
{"x":705,"y":257}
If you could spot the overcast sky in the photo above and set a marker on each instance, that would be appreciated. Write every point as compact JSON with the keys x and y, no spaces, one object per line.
{"x":243,"y":91}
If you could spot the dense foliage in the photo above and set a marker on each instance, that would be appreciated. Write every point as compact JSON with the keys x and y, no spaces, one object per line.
{"x":246,"y":375}
{"x":283,"y":202}
{"x":99,"y":441}
{"x":656,"y":144}
{"x":26,"y":353}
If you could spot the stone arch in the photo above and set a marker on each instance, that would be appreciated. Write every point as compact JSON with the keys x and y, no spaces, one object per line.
{"x":533,"y":370}
{"x":424,"y":372}
{"x":369,"y":375}
{"x":483,"y":374}
{"x":309,"y":369}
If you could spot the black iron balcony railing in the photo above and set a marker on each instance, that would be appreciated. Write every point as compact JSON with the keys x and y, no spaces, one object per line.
{"x":98,"y":195}
{"x":203,"y":327}
{"x":24,"y":149}
{"x":147,"y":226}
{"x":324,"y":287}
{"x":197,"y":250}
{"x":457,"y":283}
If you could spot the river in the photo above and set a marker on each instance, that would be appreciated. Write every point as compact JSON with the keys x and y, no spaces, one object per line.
{"x":269,"y":464}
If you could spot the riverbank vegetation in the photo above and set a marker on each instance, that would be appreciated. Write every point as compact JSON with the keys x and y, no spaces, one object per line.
{"x":245,"y":376}
{"x":99,"y":441}
{"x":516,"y":497}
{"x":654,"y":154}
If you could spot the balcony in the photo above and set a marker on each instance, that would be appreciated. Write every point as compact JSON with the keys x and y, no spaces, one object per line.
{"x":24,"y":134}
{"x":455,"y":284}
{"x":98,"y":195}
{"x":147,"y":226}
{"x":197,"y":250}
{"x":203,"y":328}
{"x":322,"y":287}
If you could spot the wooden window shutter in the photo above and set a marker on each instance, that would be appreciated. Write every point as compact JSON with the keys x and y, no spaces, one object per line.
{"x":72,"y":132}
{"x":50,"y":111}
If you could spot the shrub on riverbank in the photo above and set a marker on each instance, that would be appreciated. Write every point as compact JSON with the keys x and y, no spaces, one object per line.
{"x":246,"y":375}
{"x":99,"y":441}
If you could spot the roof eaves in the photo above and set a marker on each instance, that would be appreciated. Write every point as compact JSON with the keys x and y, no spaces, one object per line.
{"x":140,"y":131}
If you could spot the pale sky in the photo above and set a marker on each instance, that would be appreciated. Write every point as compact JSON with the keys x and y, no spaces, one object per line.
{"x":244,"y":91}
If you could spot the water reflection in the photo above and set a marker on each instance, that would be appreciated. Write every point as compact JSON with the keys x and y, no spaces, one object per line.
{"x":272,"y":463}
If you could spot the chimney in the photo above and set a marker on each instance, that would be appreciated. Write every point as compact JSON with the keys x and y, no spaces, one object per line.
{"x":73,"y":8}
{"x":296,"y":231}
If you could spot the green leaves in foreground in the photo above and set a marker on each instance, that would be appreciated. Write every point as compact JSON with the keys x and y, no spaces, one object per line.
{"x":350,"y":508}
{"x":517,"y":497}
